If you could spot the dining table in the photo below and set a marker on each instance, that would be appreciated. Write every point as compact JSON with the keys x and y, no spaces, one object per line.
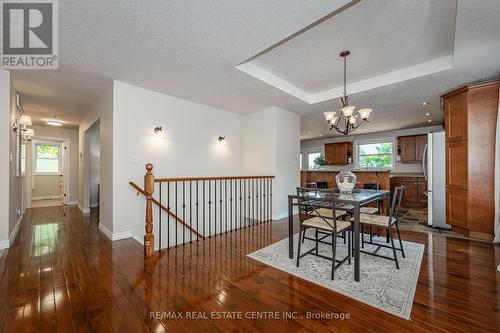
{"x":348,"y":202}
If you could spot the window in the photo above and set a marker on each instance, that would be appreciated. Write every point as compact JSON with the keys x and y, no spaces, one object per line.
{"x":310,"y":159}
{"x":300,"y":162}
{"x":376,"y":155}
{"x":47,"y":158}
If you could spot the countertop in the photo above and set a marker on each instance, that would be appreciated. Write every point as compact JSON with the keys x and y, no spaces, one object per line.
{"x":372,"y":171}
{"x":407,"y":174}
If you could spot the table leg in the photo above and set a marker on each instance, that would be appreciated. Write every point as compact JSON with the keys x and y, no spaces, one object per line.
{"x":388,"y":213}
{"x":356,"y":242}
{"x":290,"y":227}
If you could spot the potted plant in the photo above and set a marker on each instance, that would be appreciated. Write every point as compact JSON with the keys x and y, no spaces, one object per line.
{"x":320,"y":161}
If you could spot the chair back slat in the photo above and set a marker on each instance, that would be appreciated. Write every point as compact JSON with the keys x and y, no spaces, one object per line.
{"x":313,"y":200}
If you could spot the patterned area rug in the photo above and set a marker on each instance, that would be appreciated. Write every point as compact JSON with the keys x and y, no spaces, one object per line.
{"x":381,"y":286}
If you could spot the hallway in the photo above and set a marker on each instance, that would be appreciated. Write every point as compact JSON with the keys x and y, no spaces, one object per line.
{"x":61,"y":274}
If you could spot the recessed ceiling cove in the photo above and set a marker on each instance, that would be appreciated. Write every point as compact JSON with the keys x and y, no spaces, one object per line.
{"x":390,"y":41}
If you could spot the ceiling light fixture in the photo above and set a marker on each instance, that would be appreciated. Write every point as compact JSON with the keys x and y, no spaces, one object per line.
{"x":346,"y":122}
{"x":424,"y":103}
{"x":429,"y":121}
{"x":53,"y":123}
{"x":222,"y":140}
{"x":427,"y":114}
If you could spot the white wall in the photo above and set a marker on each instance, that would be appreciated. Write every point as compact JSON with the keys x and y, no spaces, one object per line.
{"x":307,"y":146}
{"x":72,"y":136}
{"x":189,"y":148}
{"x":16,"y":207}
{"x":5,"y":130}
{"x":272,"y":147}
{"x":102,"y":112}
{"x":95,"y":160}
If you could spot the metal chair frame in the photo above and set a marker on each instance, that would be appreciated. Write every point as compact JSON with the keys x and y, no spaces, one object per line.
{"x":310,"y":205}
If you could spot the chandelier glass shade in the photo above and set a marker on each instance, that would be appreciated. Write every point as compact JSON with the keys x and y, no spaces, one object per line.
{"x":347,"y":120}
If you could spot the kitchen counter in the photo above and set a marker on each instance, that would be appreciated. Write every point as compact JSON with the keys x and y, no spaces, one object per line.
{"x":407,"y":174}
{"x":364,"y":176}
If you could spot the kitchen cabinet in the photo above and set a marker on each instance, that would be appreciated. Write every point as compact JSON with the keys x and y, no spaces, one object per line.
{"x":338,"y":153}
{"x":470,"y":128}
{"x":415,"y":190}
{"x":411,"y":148}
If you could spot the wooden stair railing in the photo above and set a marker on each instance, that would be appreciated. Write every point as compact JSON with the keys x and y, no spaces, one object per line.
{"x":208,"y":206}
{"x":165,"y":209}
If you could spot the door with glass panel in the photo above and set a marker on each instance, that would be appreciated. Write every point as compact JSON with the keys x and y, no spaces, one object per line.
{"x":48,"y":177}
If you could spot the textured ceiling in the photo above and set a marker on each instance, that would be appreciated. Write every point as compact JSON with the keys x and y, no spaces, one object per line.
{"x":384,"y":36}
{"x":189,"y":49}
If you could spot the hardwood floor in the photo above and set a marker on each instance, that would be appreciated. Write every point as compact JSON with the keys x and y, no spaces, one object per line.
{"x":62,"y":274}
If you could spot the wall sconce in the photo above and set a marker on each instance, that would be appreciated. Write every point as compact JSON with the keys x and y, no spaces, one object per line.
{"x":23,"y":122}
{"x":158,"y":131}
{"x":28,"y":134}
{"x":222,"y":140}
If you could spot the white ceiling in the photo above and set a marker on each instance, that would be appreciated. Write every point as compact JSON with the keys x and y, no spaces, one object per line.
{"x":189,"y":49}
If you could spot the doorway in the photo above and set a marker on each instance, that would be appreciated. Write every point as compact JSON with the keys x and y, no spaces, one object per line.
{"x":49,"y":173}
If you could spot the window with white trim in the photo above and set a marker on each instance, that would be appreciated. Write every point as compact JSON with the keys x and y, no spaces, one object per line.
{"x":47,"y":158}
{"x":376,"y":155}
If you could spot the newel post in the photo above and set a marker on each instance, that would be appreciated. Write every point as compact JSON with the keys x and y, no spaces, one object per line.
{"x":149,"y":188}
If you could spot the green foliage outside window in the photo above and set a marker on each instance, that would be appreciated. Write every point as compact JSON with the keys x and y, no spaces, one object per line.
{"x":375,"y":155}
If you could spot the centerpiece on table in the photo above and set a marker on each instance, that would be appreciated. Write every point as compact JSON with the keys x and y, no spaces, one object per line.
{"x":346,"y":180}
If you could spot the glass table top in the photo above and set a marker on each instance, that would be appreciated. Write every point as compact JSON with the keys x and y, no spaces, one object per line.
{"x":358,"y":196}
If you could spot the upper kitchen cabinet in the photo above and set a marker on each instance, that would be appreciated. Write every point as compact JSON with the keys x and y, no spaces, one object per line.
{"x":411,"y":148}
{"x":338,"y":153}
{"x":455,"y":114}
{"x":470,"y":126}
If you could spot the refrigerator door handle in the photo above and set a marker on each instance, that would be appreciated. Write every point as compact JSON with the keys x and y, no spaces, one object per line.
{"x":424,"y":162}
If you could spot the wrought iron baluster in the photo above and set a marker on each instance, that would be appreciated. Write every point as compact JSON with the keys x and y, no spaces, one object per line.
{"x":159,"y":217}
{"x":168,"y":215}
{"x":225,"y":202}
{"x":176,"y":210}
{"x":241,"y":214}
{"x":230,"y":205}
{"x":197,"y":206}
{"x":183,"y":212}
{"x":209,"y":208}
{"x":190,"y":210}
{"x":220,"y":207}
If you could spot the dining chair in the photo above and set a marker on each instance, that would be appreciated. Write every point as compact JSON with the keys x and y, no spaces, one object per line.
{"x":370,"y":211}
{"x":321,"y":202}
{"x":386,"y":222}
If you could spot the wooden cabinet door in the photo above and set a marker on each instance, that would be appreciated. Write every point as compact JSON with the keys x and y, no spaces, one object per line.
{"x":341,"y":154}
{"x":330,"y":153}
{"x":456,"y":208}
{"x":407,"y":145}
{"x":455,"y":117}
{"x":422,"y":190}
{"x":410,"y":195}
{"x":420,"y":142}
{"x":456,"y":165}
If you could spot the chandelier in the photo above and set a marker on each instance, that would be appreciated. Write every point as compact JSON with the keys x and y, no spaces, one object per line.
{"x":346,"y":122}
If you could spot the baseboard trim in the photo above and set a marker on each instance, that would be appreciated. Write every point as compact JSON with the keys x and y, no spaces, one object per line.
{"x":73,"y":203}
{"x":84,"y":210}
{"x":47,"y":197}
{"x":13,"y":234}
{"x":139,"y":240}
{"x":115,"y":236}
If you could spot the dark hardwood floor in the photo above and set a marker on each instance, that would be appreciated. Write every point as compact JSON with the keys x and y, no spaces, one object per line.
{"x":62,"y":274}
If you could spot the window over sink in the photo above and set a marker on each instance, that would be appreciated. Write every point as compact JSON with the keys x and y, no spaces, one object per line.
{"x":375,"y":155}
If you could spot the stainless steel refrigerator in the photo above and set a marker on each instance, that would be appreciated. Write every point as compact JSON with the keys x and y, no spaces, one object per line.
{"x":434,"y":172}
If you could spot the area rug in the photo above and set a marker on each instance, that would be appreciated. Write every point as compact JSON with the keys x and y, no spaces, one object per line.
{"x":381,"y":285}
